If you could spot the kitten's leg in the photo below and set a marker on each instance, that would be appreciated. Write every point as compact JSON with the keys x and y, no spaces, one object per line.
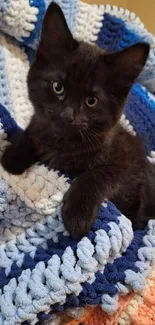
{"x":147,"y":202}
{"x":82,"y":201}
{"x":140,"y":222}
{"x":146,"y":213}
{"x":20,"y":154}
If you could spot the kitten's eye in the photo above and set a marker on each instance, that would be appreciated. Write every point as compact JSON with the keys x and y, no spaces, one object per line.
{"x":58,"y":87}
{"x":91,"y":101}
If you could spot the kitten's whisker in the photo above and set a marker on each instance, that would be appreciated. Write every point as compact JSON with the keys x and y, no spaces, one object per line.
{"x":82,"y":136}
{"x":88,"y":140}
{"x":95,"y":137}
{"x":95,"y":133}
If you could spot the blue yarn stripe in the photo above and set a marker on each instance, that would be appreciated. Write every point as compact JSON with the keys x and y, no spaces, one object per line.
{"x":114,"y":35}
{"x":140,"y":108}
{"x":36,"y":32}
{"x":9,"y":124}
{"x":113,"y":273}
{"x":105,"y":215}
{"x":106,"y":282}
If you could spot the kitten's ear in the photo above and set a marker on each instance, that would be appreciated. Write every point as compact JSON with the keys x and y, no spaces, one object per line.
{"x":55,"y":32}
{"x":126,"y":65}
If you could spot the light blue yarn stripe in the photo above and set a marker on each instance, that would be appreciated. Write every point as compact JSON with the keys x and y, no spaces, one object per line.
{"x":27,"y":242}
{"x":70,"y":10}
{"x":151,"y":98}
{"x":4,"y":5}
{"x":143,"y":33}
{"x":134,"y":280}
{"x":118,"y":240}
{"x":4,"y":27}
{"x":5,"y":98}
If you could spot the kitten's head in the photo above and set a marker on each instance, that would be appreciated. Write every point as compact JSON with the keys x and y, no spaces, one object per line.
{"x":78,"y":86}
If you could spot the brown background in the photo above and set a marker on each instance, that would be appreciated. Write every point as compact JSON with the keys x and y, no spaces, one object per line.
{"x":145,"y":9}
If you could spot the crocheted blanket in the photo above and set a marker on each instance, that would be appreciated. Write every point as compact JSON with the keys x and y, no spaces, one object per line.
{"x":42,"y":269}
{"x":134,"y":309}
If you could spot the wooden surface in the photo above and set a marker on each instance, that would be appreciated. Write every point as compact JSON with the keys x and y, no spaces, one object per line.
{"x":145,"y":9}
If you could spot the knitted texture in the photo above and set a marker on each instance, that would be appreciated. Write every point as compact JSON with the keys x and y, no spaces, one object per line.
{"x":134,"y":309}
{"x":44,"y":271}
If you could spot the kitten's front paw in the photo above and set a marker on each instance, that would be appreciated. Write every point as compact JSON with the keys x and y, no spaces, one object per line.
{"x":78,"y":216}
{"x":12,"y":162}
{"x":19,"y":155}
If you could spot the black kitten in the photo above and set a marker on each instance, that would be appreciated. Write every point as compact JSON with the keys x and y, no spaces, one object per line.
{"x":78,"y":92}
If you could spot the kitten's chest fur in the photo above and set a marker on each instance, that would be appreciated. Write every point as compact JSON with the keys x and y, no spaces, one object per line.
{"x":118,"y":152}
{"x":66,"y":155}
{"x":73,"y":153}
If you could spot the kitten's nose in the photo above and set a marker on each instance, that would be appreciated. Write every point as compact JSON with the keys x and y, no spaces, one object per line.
{"x":67,"y":114}
{"x":80,"y":123}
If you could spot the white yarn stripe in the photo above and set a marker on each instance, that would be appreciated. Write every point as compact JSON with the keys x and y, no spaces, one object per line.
{"x":17,"y":67}
{"x":152,"y":157}
{"x":126,"y":124}
{"x":40,"y":188}
{"x":89,"y":22}
{"x":19,"y":19}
